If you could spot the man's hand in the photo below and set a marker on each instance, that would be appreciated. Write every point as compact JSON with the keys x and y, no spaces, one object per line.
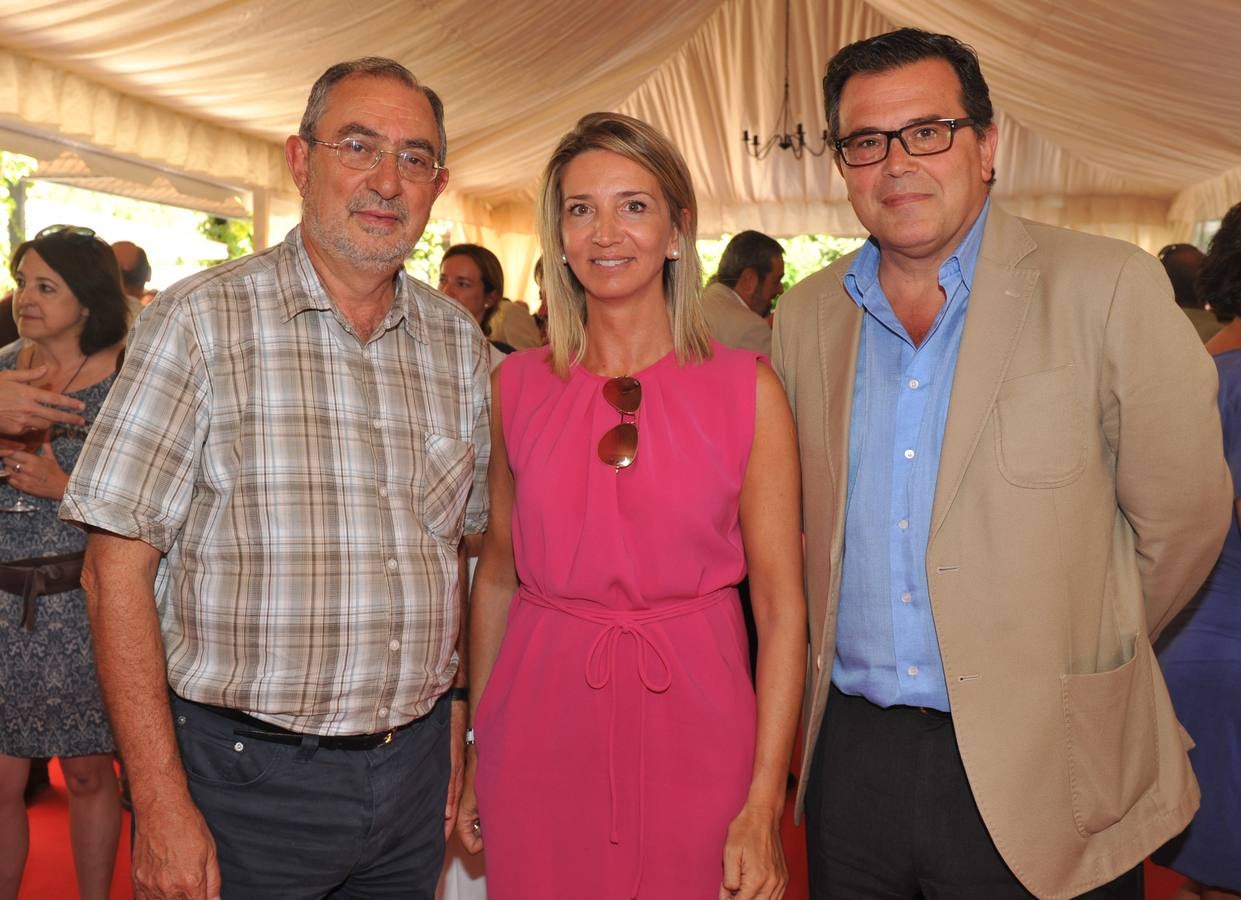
{"x":24,"y":407}
{"x":460,"y":712}
{"x":174,"y":853}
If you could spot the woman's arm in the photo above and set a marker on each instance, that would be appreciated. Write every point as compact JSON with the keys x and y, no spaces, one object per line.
{"x":771,"y":530}
{"x":495,"y":580}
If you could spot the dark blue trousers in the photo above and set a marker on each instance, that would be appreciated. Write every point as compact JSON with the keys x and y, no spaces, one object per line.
{"x":302,"y":821}
{"x":890,"y":814}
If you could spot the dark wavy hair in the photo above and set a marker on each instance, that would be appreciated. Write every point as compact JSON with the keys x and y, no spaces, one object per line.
{"x":1219,"y":279}
{"x":902,"y":47}
{"x":89,"y":268}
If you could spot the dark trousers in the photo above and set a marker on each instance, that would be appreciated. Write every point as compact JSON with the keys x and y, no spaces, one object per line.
{"x":294,"y":821}
{"x":890,"y":814}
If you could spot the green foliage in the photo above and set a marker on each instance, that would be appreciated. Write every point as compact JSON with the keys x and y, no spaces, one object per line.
{"x":428,"y":253}
{"x":14,"y":168}
{"x":803,"y":255}
{"x":235,"y":234}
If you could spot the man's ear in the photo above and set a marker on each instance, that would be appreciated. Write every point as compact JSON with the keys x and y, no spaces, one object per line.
{"x":747,"y":284}
{"x":297,"y":156}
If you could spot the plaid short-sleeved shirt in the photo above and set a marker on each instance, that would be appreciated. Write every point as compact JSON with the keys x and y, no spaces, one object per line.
{"x":308,"y":489}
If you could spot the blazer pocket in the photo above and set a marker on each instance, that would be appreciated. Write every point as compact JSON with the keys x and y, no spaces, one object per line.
{"x":1110,"y":726}
{"x":1039,"y":436}
{"x":447,"y":475}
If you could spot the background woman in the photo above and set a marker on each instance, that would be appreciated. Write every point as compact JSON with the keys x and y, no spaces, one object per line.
{"x":472,"y":276}
{"x":1200,"y":652}
{"x":637,"y":470}
{"x":70,"y":313}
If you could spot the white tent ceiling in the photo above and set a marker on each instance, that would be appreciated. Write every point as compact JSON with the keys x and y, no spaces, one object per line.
{"x":1115,"y":117}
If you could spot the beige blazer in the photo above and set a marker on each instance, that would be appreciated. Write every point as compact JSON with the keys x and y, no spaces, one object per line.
{"x":732,"y":323}
{"x":1082,"y":498}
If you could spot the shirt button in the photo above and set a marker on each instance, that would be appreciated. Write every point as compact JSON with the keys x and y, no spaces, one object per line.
{"x":914,"y":384}
{"x":375,"y":423}
{"x":383,"y":710}
{"x":909,"y":454}
{"x":906,"y":597}
{"x":239,"y":746}
{"x":902,"y":524}
{"x":912,"y":670}
{"x":383,"y":492}
{"x":394,"y":645}
{"x":391,"y":565}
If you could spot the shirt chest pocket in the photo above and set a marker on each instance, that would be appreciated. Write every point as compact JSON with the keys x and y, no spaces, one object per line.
{"x":1040,"y":438}
{"x":444,"y":479}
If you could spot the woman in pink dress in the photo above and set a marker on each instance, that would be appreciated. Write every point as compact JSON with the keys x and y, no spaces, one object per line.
{"x":638,"y":471}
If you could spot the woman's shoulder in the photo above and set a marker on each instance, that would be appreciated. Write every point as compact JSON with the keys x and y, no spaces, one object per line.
{"x":8,"y":354}
{"x":525,"y":363}
{"x":732,"y":363}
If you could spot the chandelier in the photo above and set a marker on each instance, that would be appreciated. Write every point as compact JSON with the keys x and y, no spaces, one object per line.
{"x":785,"y":139}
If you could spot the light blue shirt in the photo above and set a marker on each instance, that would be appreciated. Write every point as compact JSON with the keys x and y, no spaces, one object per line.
{"x":886,"y":647}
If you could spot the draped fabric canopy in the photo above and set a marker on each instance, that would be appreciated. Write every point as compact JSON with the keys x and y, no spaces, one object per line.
{"x":1119,"y":118}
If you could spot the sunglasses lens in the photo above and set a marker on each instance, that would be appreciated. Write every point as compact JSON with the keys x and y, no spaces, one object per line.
{"x":624,"y":393}
{"x":619,"y":447}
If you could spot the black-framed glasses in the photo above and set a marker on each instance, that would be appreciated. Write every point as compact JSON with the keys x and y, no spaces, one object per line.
{"x":925,"y":138}
{"x":74,"y":230}
{"x":619,"y":445}
{"x":362,"y":154}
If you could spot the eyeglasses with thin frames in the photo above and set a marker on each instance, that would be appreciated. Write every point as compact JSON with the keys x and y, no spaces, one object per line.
{"x":925,"y":138}
{"x":619,"y":445}
{"x":362,"y":155}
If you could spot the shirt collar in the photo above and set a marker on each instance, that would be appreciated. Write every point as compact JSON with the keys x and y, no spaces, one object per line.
{"x":305,"y":291}
{"x":863,"y":274}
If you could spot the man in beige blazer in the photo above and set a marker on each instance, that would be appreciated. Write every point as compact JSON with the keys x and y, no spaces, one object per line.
{"x":738,"y":299}
{"x":998,"y":725}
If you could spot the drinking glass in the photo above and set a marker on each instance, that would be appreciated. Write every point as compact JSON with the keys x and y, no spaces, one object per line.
{"x":32,"y":440}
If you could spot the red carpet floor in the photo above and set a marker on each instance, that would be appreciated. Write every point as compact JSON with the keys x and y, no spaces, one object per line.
{"x":49,"y":871}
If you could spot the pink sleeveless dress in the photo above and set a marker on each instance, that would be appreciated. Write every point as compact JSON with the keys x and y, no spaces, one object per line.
{"x":615,"y":737}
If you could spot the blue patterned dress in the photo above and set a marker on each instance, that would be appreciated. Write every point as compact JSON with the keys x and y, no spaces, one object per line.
{"x":49,"y":694}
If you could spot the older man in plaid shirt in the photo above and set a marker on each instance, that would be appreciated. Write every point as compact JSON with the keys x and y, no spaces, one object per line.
{"x":277,"y":491}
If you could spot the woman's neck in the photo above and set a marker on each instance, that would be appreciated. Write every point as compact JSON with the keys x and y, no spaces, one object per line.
{"x":58,"y":355}
{"x":623,"y":339}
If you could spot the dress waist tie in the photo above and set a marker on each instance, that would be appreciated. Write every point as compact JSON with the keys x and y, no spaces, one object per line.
{"x":654,"y":672}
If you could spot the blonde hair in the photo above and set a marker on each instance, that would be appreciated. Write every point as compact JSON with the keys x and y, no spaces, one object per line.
{"x":566,"y":299}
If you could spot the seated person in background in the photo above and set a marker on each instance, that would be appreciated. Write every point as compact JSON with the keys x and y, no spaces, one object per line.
{"x":472,"y":276}
{"x":1182,"y":263}
{"x":1201,"y":651}
{"x":738,"y":299}
{"x":540,"y":317}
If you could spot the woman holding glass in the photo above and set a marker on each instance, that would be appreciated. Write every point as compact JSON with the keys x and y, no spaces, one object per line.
{"x":638,"y":470}
{"x":70,"y":314}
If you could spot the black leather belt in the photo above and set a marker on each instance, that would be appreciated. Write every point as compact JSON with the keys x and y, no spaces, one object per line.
{"x":259,"y":730}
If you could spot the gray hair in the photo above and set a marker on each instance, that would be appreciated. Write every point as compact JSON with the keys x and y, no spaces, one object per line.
{"x":376,"y":67}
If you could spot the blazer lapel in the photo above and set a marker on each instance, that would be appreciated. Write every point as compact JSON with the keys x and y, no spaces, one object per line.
{"x":839,"y":327}
{"x":998,"y":304}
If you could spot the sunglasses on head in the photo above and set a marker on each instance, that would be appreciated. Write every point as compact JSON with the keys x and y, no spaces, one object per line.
{"x":73,"y":230}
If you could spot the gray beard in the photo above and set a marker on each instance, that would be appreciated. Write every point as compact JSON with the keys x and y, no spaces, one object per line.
{"x":367,"y":258}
